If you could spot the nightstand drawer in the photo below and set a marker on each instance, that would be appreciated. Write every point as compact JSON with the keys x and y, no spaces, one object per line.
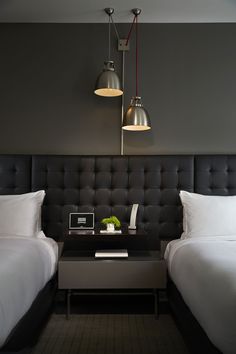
{"x":111,"y":274}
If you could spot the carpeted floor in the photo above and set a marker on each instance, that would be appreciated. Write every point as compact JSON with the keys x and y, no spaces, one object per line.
{"x":110,"y":334}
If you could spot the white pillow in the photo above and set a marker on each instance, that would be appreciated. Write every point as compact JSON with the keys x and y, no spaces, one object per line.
{"x":205,"y":215}
{"x":20,"y":215}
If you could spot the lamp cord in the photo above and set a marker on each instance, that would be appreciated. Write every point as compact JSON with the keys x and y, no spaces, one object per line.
{"x":109,"y":39}
{"x":130,"y":31}
{"x":135,"y":21}
{"x":109,"y":35}
{"x":136,"y":17}
{"x":114,"y":25}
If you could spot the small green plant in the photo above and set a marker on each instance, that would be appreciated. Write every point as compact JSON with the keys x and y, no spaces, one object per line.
{"x":111,"y":220}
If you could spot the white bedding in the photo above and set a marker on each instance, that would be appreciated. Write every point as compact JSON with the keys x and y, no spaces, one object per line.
{"x":26,"y":265}
{"x":204,"y":271}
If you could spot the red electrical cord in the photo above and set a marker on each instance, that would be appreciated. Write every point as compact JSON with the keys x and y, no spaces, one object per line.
{"x":130,"y":31}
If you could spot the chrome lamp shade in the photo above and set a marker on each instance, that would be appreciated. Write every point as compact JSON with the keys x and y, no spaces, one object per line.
{"x":136,"y":117}
{"x":108,"y":82}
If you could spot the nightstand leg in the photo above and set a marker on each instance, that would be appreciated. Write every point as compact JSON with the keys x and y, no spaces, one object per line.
{"x":156,"y":302}
{"x":68,"y":304}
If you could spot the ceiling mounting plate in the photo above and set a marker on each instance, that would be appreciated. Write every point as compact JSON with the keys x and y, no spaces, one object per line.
{"x":109,"y":11}
{"x":136,"y":11}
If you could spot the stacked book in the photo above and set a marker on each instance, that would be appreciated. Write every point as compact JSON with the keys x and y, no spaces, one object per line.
{"x":117,"y":253}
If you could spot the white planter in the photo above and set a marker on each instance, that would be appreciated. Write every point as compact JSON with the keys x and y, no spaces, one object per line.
{"x":110,"y":227}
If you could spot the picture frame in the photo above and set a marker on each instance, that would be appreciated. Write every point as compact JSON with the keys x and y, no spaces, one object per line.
{"x":81,"y":221}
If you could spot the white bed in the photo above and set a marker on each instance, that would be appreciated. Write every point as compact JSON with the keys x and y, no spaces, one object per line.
{"x":204,"y":271}
{"x":26,"y":265}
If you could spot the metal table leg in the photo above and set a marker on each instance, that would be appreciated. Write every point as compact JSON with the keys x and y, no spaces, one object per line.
{"x":68,"y":304}
{"x":156,"y":302}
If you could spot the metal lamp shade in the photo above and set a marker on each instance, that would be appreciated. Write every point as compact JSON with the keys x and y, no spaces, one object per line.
{"x":136,"y":117}
{"x":108,"y":82}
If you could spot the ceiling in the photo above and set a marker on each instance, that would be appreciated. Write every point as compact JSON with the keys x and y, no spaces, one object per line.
{"x":82,"y":11}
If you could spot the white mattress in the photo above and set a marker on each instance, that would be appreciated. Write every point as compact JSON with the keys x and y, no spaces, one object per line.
{"x":204,"y":271}
{"x":26,"y":265}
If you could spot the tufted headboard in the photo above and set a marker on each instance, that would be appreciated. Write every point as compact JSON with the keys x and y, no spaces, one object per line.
{"x":15,"y":174}
{"x":215,"y":174}
{"x":109,"y":185}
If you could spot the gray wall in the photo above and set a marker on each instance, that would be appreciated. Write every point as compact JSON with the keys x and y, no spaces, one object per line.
{"x":187,"y":82}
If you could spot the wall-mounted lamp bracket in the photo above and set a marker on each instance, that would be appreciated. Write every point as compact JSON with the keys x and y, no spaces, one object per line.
{"x":123,"y":46}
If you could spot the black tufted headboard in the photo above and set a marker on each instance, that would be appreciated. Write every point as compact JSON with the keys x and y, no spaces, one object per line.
{"x":110,"y":185}
{"x":15,"y":174}
{"x":215,"y":174}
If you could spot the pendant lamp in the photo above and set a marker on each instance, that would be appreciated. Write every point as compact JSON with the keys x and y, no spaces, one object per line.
{"x":136,"y":117}
{"x":108,"y":82}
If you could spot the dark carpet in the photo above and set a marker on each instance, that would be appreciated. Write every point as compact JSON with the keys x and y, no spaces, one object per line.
{"x":110,"y":334}
{"x":110,"y":325}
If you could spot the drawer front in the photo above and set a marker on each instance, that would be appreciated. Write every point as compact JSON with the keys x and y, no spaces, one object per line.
{"x":111,"y":275}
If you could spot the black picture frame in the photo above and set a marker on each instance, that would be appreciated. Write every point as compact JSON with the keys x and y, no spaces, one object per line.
{"x":81,"y":221}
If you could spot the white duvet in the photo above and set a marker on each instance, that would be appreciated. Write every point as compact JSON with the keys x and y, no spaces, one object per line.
{"x":204,"y":271}
{"x":26,"y":265}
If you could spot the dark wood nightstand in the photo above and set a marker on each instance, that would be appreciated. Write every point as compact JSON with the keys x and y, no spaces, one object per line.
{"x":128,"y":239}
{"x":143,"y":272}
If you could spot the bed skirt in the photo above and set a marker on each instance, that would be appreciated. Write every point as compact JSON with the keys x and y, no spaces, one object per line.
{"x":194,"y":336}
{"x":26,"y":332}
